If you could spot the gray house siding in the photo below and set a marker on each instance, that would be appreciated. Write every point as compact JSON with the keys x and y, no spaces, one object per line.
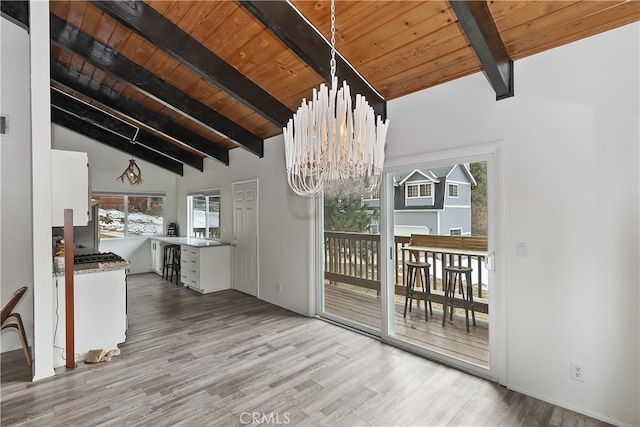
{"x":459,"y":178}
{"x":455,"y":218}
{"x":420,"y":201}
{"x":372,"y":203}
{"x":424,"y":218}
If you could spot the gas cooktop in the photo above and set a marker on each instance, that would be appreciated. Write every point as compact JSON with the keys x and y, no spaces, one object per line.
{"x":97,"y":257}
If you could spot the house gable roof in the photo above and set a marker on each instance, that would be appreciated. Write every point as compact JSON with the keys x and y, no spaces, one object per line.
{"x":465,"y":168}
{"x":424,"y":175}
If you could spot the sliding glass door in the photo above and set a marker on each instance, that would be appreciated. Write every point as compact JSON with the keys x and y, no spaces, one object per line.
{"x":437,"y":219}
{"x":350,"y":289}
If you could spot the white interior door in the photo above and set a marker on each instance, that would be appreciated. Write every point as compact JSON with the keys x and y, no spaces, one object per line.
{"x":245,"y":236}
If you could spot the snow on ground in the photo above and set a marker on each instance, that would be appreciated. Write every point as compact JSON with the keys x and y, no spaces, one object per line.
{"x":141,"y":224}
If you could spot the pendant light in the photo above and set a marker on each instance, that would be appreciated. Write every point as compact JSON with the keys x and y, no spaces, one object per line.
{"x":330,"y":146}
{"x":132,"y":173}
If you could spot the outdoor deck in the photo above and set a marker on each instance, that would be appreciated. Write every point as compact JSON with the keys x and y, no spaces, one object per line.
{"x":353,"y":280}
{"x":452,"y":340}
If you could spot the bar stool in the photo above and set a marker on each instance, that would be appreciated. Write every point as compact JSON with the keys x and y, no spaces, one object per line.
{"x":454,"y":276}
{"x":175,"y":263}
{"x":415,"y":269}
{"x":166,"y":259}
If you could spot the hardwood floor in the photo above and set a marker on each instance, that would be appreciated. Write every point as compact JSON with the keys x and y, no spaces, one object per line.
{"x":229,"y":359}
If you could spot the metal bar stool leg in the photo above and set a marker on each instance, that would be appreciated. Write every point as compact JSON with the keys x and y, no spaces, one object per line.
{"x":428,"y":290}
{"x":408,"y":290}
{"x":445,"y":301}
{"x":470,"y":297}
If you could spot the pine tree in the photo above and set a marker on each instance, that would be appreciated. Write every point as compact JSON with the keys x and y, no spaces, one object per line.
{"x":348,"y":213}
{"x":479,"y":216}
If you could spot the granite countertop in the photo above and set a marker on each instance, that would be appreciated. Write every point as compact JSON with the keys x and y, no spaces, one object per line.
{"x":191,"y":241}
{"x":94,"y":268}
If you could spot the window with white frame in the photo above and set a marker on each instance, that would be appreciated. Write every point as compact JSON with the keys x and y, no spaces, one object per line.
{"x":453,"y":190}
{"x":419,"y":190}
{"x":204,"y":213}
{"x":132,"y":214}
{"x":374,"y":195}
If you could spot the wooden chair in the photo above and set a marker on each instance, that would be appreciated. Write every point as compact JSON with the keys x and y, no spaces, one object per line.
{"x":11,"y":320}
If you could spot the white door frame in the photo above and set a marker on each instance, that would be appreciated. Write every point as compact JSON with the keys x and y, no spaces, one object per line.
{"x":257,"y":223}
{"x":493,"y":154}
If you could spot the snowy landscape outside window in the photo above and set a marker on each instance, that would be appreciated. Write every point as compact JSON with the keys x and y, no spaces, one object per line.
{"x":123,"y":215}
{"x":204,"y":214}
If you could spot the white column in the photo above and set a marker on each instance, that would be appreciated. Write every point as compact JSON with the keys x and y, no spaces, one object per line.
{"x":41,"y":190}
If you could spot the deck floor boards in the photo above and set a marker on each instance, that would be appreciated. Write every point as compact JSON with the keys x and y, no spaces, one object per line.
{"x":363,"y":306}
{"x":209,"y":360}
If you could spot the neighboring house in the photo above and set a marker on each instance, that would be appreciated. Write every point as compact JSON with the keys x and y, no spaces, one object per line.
{"x":436,"y":198}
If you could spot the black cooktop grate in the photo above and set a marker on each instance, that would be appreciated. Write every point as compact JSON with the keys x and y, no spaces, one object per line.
{"x":96,"y":258}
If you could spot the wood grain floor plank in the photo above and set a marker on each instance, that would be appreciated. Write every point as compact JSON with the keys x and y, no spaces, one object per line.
{"x":220,"y":359}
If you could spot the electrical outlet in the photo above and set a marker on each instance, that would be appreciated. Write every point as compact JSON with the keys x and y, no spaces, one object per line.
{"x":278,"y":287}
{"x":577,"y":372}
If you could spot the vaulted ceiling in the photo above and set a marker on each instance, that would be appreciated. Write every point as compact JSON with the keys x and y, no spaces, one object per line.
{"x":187,"y":80}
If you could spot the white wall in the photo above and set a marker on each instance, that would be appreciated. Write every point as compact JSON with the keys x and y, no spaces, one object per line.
{"x":285,"y":220}
{"x":572,"y":194}
{"x":105,"y":165}
{"x":15,"y":181}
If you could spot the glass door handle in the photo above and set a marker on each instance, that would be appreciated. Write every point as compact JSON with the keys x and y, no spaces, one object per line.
{"x":490,"y":261}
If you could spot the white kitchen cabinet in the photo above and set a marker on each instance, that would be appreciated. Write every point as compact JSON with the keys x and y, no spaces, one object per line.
{"x":156,"y":255}
{"x":206,"y":269}
{"x":69,"y":186}
{"x":100,"y":313}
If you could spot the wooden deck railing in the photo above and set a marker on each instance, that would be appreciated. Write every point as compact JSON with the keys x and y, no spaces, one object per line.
{"x":353,"y":259}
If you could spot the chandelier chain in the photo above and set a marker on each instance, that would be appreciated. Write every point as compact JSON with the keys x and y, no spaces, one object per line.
{"x":333,"y":39}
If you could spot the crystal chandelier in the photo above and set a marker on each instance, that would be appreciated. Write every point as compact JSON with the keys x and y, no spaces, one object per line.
{"x":331,"y":147}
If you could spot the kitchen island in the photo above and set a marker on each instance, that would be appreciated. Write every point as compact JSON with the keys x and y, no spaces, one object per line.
{"x":205,"y":265}
{"x":100,"y":310}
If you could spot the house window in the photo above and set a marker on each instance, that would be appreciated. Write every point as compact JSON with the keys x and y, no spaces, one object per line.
{"x":127,"y":215}
{"x":374,"y":195}
{"x":204,"y":214}
{"x":453,"y":190}
{"x":455,"y":231}
{"x":419,"y":190}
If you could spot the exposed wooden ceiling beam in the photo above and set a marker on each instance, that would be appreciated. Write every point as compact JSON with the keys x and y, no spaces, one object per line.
{"x":97,"y":54}
{"x":148,"y":23}
{"x":295,"y":32}
{"x":97,"y":117}
{"x":16,"y":11}
{"x":72,"y":122}
{"x":478,"y":25}
{"x":135,"y":111}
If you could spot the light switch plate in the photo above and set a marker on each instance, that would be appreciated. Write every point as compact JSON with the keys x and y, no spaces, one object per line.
{"x":521,"y":249}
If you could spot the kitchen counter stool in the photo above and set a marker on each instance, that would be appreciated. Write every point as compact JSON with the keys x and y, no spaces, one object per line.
{"x":167,"y":259}
{"x":175,"y":263}
{"x":453,"y":277}
{"x":415,"y":270}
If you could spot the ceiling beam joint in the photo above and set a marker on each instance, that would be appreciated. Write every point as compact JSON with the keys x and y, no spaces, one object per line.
{"x":478,"y":25}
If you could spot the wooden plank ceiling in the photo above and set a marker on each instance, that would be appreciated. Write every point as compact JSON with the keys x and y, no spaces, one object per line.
{"x":199,"y":78}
